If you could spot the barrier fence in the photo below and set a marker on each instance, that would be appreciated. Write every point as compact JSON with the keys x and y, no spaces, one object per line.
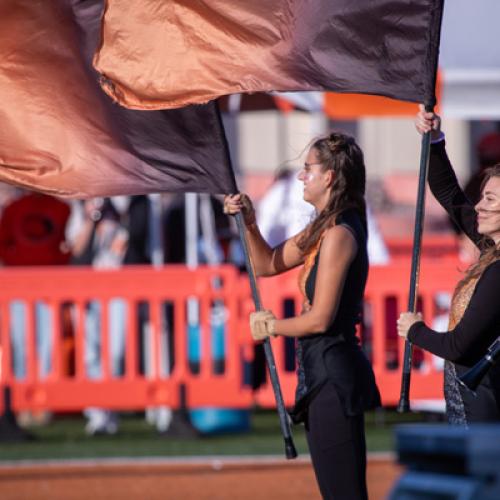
{"x":149,"y":351}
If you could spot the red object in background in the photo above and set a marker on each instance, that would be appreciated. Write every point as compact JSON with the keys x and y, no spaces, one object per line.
{"x":488,"y":150}
{"x":32,"y":231}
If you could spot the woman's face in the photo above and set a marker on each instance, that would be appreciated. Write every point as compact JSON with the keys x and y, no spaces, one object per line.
{"x":316,"y":181}
{"x":488,"y":210}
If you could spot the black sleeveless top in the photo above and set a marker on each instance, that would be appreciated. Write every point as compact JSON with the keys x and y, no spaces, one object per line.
{"x":335,"y":354}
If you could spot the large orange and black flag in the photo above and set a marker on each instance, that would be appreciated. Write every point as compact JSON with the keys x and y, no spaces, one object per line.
{"x":157,"y":54}
{"x":60,"y":134}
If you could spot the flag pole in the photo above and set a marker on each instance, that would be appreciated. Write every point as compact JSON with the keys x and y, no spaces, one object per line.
{"x":430,"y":101}
{"x":404,"y":399}
{"x":290,"y":450}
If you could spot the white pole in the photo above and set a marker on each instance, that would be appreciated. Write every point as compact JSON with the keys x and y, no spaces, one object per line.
{"x":155,"y":228}
{"x":161,"y":416}
{"x":191,"y":224}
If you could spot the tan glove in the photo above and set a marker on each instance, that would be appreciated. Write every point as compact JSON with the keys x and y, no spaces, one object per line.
{"x":262,"y":324}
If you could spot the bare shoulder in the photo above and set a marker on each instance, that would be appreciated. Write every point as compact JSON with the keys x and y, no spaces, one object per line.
{"x":339,"y":241}
{"x":339,"y":235}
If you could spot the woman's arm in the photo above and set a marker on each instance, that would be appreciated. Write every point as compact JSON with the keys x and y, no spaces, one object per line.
{"x":267,"y":261}
{"x":447,"y":191}
{"x":476,"y":330}
{"x":270,"y":261}
{"x":338,"y":249}
{"x":442,"y":179}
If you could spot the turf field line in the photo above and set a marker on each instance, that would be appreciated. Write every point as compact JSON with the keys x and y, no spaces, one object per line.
{"x":214,"y":461}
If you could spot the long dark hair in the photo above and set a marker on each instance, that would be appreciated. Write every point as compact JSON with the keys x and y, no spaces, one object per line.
{"x":489,"y":250}
{"x":339,"y":153}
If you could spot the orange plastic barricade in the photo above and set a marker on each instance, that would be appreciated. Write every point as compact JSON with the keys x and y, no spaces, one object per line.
{"x":156,"y":321}
{"x":156,"y":304}
{"x":386,"y":296}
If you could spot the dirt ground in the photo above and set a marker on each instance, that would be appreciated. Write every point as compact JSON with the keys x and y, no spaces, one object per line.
{"x":225,"y":479}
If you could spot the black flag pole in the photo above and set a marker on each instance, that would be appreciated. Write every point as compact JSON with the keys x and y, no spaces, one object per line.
{"x":404,"y":400}
{"x":431,"y":66}
{"x":290,"y":450}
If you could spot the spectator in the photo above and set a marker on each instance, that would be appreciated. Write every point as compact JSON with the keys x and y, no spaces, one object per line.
{"x":106,"y":234}
{"x":32,"y":234}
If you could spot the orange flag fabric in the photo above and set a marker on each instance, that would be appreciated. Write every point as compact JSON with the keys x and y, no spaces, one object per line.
{"x":157,"y":54}
{"x":60,"y":134}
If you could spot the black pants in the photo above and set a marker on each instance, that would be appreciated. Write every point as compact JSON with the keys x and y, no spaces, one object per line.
{"x":337,"y":447}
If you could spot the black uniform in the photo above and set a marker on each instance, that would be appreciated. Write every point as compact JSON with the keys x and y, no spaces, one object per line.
{"x":336,"y":383}
{"x":468,"y":342}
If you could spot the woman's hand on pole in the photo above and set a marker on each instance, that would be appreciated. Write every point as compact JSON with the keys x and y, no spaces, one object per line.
{"x":428,"y":121}
{"x":235,"y":203}
{"x":406,"y":320}
{"x":262,"y":324}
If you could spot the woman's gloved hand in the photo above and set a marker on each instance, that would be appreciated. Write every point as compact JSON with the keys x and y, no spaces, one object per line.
{"x":262,"y":324}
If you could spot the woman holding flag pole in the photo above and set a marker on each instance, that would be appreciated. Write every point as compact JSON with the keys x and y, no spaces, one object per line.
{"x":475,"y":310}
{"x":335,"y":380}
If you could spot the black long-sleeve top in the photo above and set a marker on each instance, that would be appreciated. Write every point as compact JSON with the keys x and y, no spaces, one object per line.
{"x":480,"y":324}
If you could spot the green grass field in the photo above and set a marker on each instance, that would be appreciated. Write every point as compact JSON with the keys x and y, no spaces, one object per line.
{"x":64,"y":438}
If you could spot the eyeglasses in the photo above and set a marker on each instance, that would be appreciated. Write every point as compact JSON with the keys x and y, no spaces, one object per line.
{"x":307,"y":165}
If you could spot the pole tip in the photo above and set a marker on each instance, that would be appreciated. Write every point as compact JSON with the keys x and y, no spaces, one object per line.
{"x":403,"y":406}
{"x":290,"y":450}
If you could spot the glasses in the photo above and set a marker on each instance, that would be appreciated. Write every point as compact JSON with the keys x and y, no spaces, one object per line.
{"x":307,"y":165}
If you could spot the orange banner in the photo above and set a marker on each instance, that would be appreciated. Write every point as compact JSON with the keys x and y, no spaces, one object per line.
{"x":156,"y":54}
